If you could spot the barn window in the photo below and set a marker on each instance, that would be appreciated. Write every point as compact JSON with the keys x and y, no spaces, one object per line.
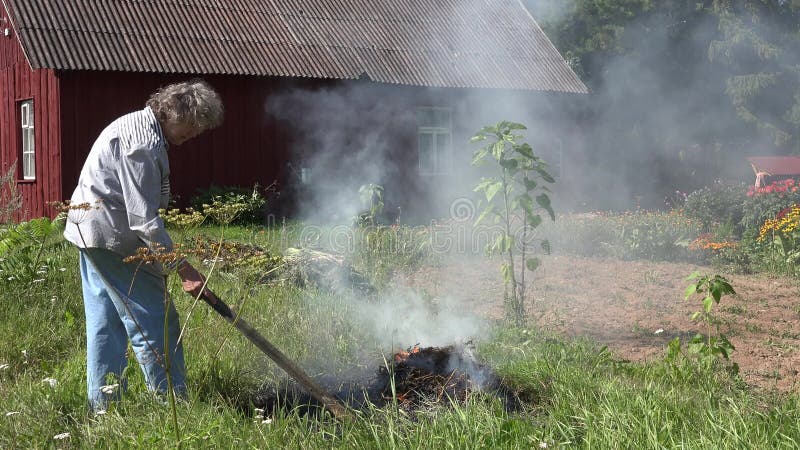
{"x":28,"y":149}
{"x":435,"y":144}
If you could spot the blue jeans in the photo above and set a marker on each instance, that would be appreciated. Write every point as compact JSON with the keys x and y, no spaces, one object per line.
{"x":122,"y":303}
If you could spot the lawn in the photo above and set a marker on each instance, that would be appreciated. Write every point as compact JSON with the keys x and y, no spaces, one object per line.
{"x":577,"y":393}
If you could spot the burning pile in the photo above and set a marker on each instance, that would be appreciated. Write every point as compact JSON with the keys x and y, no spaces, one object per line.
{"x":416,"y":378}
{"x":424,"y":376}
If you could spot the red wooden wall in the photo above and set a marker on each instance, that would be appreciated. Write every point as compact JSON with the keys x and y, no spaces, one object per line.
{"x":19,"y":82}
{"x":246,"y":149}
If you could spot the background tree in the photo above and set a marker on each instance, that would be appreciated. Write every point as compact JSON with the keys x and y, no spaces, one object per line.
{"x":760,"y":47}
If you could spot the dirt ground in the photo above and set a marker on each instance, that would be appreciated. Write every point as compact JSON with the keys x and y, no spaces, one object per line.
{"x":637,"y":307}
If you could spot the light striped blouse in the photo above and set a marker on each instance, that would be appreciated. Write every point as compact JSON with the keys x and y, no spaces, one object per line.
{"x":126,"y":176}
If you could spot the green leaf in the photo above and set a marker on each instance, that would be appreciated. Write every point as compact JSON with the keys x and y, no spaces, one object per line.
{"x":708,"y":302}
{"x":544,"y":201}
{"x":529,"y":184}
{"x":694,"y":275}
{"x":509,"y":164}
{"x":516,"y":126}
{"x":526,"y":202}
{"x":483,"y":184}
{"x":545,"y":176}
{"x":690,"y":290}
{"x":532,"y":264}
{"x":498,"y":149}
{"x":524,"y":150}
{"x":546,"y":246}
{"x":489,"y":210}
{"x":479,"y":155}
{"x":534,"y":220}
{"x":492,"y":190}
{"x":505,"y":270}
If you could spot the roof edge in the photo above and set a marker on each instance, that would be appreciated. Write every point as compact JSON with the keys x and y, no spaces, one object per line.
{"x":17,"y":34}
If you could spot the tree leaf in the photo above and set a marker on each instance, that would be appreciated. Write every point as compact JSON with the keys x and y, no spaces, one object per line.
{"x":532,"y":264}
{"x":544,"y":201}
{"x":479,"y":155}
{"x":708,"y":302}
{"x":498,"y":149}
{"x":545,"y":175}
{"x":509,"y":164}
{"x":492,"y":189}
{"x":690,"y":290}
{"x":524,"y":150}
{"x":546,"y":246}
{"x":489,"y":210}
{"x":529,"y":184}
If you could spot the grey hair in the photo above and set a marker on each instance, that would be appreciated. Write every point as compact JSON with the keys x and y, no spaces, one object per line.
{"x":193,"y":103}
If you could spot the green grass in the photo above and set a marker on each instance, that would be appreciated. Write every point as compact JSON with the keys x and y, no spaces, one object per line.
{"x":578,"y":395}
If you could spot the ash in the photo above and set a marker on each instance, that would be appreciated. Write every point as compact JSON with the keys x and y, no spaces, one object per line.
{"x":414,"y":380}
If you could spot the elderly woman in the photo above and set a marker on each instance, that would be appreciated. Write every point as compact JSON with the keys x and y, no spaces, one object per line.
{"x":127,"y":176}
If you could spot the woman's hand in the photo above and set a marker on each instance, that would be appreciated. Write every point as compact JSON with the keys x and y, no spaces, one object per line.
{"x":191,"y":279}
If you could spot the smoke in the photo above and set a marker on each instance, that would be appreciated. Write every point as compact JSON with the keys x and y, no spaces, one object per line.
{"x":657,"y":120}
{"x":405,"y":318}
{"x":344,"y":137}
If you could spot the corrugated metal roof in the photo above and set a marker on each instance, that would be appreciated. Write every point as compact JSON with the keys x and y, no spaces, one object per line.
{"x":439,"y":43}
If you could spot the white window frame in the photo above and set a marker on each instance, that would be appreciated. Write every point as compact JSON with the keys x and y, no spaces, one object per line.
{"x":445,"y":154}
{"x":28,"y":137}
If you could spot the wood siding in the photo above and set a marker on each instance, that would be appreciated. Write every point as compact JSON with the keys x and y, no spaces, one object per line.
{"x":246,"y":149}
{"x":18,"y":82}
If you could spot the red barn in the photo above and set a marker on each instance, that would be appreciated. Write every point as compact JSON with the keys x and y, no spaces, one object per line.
{"x":330,"y":88}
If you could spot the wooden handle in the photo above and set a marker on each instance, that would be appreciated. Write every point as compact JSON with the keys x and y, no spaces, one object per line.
{"x":328,"y":401}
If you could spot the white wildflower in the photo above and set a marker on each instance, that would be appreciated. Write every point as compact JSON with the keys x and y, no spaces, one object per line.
{"x":100,"y":412}
{"x":659,"y":331}
{"x":10,"y":278}
{"x":4,"y":366}
{"x":41,"y":272}
{"x":25,"y":353}
{"x":61,"y":269}
{"x":61,"y":436}
{"x":266,"y":421}
{"x":51,"y":381}
{"x":109,"y":388}
{"x":12,"y":413}
{"x":38,"y":280}
{"x":542,"y":444}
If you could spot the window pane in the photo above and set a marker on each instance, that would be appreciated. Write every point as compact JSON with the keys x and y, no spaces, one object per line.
{"x":24,"y":114}
{"x":28,"y":166}
{"x":441,"y":118}
{"x":28,"y":143}
{"x":443,"y":152}
{"x":427,"y":161}
{"x":424,"y":117}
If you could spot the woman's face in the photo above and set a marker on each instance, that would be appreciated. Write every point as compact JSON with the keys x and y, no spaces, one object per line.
{"x":178,"y":133}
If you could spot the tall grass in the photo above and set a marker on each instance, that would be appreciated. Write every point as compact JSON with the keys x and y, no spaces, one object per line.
{"x":578,"y":395}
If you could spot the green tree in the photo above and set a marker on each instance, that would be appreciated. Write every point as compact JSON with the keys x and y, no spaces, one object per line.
{"x":515,"y":198}
{"x":760,"y":46}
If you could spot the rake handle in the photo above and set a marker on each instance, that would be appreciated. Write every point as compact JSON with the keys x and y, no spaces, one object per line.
{"x":328,"y":401}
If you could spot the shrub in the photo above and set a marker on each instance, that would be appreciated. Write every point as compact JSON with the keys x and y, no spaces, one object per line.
{"x":653,"y":235}
{"x":25,"y":248}
{"x":761,"y":204}
{"x":10,"y":198}
{"x":716,"y":205}
{"x":248,"y":202}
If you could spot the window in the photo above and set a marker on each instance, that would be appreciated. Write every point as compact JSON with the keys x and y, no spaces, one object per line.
{"x":28,"y":150}
{"x":434,"y":138}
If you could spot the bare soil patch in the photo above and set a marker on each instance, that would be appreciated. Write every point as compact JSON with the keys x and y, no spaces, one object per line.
{"x":625,"y":304}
